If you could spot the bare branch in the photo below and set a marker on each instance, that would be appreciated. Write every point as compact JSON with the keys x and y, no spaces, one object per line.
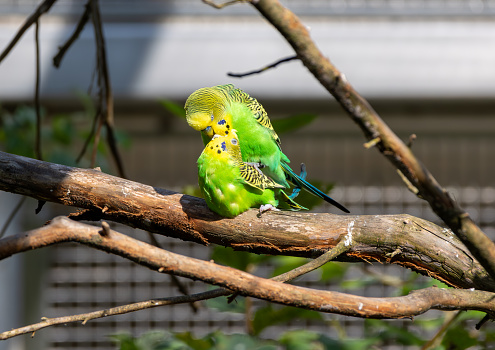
{"x":437,"y":338}
{"x":62,"y":229}
{"x":222,"y":5}
{"x":372,"y":125}
{"x":119,"y":310}
{"x":80,"y":26}
{"x":261,"y":70}
{"x":12,"y":215}
{"x":400,"y":239}
{"x":191,"y":299}
{"x":37,"y":107}
{"x":104,"y":83}
{"x":42,"y":8}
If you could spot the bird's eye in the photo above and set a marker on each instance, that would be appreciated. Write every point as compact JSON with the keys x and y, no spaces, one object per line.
{"x":211,"y":116}
{"x":234,"y":142}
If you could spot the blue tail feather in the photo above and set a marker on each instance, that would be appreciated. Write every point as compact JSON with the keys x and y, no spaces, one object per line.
{"x":302,"y":175}
{"x":300,"y":182}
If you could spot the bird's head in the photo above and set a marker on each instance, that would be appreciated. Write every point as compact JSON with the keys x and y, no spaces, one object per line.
{"x":203,"y":107}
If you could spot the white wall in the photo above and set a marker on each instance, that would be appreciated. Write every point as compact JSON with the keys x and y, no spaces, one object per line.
{"x":381,"y":58}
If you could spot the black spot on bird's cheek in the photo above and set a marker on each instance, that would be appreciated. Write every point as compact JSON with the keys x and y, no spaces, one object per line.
{"x":226,"y":132}
{"x":219,"y":151}
{"x":227,"y":126}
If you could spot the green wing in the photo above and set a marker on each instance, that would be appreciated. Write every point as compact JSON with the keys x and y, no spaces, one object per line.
{"x":258,"y":112}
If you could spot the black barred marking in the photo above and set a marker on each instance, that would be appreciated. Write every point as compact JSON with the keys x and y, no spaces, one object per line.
{"x":256,"y":179}
{"x":259,"y":112}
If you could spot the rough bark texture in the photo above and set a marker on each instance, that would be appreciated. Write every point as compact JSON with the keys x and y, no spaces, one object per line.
{"x":401,"y":239}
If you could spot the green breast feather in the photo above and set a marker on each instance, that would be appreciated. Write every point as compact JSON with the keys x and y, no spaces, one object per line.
{"x":230,"y":186}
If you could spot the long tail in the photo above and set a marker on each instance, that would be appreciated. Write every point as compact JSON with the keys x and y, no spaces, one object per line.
{"x":290,"y":204}
{"x":299,"y":182}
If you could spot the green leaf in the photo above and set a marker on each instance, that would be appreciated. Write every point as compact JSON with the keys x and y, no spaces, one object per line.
{"x":292,"y":123}
{"x":300,"y":340}
{"x":219,"y":341}
{"x":237,"y":259}
{"x":360,"y":283}
{"x":333,"y":271}
{"x":458,"y":338}
{"x":306,"y":340}
{"x":174,"y":108}
{"x":222,"y":304}
{"x":205,"y":343}
{"x":153,"y":340}
{"x":388,"y":331}
{"x":284,"y":264}
{"x":271,"y":315}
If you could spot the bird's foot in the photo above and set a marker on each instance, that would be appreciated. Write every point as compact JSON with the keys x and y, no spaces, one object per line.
{"x":267,"y":207}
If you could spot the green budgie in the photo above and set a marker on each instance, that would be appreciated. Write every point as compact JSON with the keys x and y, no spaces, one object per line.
{"x":219,"y":109}
{"x":231,"y":186}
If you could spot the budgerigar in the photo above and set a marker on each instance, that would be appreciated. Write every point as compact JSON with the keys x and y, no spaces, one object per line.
{"x":219,"y":109}
{"x":231,"y":186}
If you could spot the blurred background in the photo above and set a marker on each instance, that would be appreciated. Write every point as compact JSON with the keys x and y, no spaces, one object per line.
{"x":427,"y":67}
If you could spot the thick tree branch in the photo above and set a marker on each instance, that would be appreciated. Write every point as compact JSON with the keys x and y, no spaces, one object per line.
{"x":374,"y":127}
{"x":64,"y":230}
{"x":401,"y":239}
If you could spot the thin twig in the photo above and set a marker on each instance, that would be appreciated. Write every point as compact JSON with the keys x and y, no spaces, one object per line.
{"x":37,"y":106}
{"x":411,"y":139}
{"x":119,"y":310}
{"x":96,"y":140}
{"x":291,"y":275}
{"x":40,"y":10}
{"x":80,"y":26}
{"x":270,"y":66}
{"x":37,"y":146}
{"x":484,"y":320}
{"x":104,"y":84}
{"x":221,"y":6}
{"x":12,"y":215}
{"x":433,"y":342}
{"x":90,"y":136}
{"x":333,"y":253}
